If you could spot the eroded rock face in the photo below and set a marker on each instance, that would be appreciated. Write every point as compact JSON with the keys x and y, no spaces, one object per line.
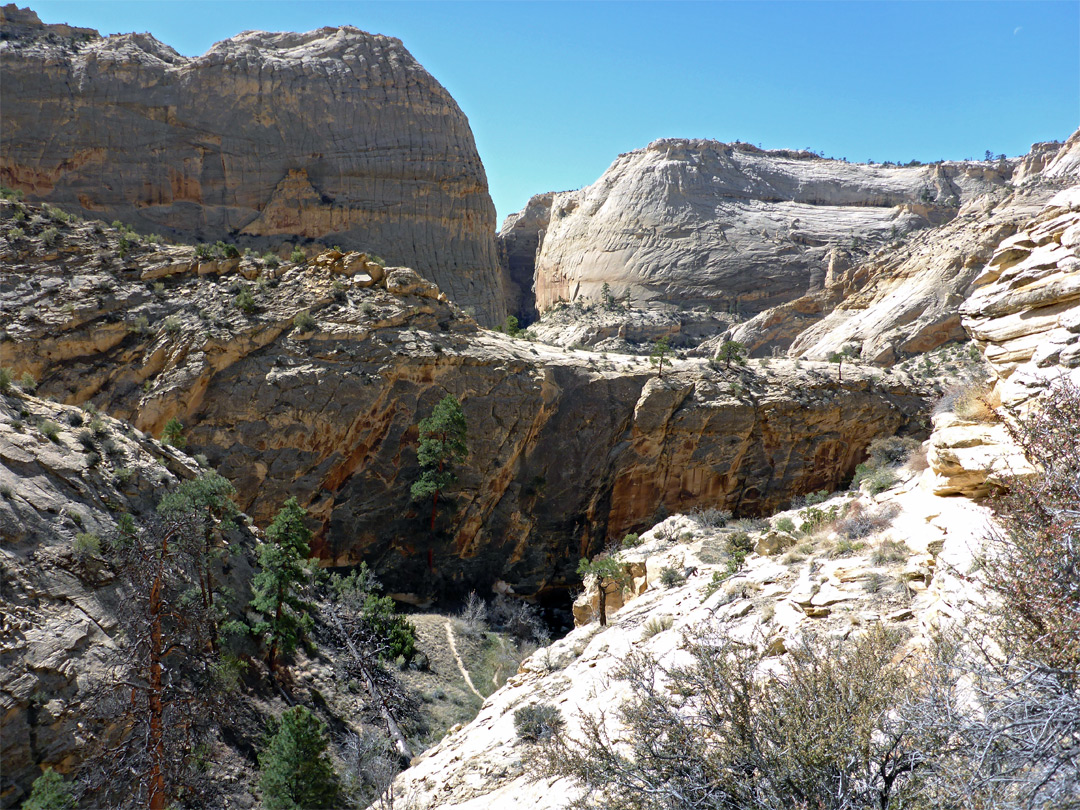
{"x":59,"y":600}
{"x":693,"y":222}
{"x":519,"y":239}
{"x":907,"y":299}
{"x":567,"y":448}
{"x":1025,"y":311}
{"x":334,"y":135}
{"x":769,"y":603}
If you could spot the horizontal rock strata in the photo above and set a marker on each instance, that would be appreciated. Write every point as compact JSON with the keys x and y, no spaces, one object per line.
{"x":334,"y":135}
{"x":567,"y":448}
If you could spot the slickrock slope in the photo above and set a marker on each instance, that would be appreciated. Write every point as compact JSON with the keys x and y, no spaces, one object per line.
{"x":907,"y":298}
{"x":771,"y":601}
{"x":694,"y":222}
{"x":566,"y":448}
{"x":334,"y":135}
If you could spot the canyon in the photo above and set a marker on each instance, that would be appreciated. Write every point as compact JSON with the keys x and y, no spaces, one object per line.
{"x":358,"y":279}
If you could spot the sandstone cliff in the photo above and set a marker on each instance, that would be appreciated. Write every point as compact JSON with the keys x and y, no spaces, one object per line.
{"x":334,"y":135}
{"x":694,"y":222}
{"x":688,"y":232}
{"x":567,"y":449}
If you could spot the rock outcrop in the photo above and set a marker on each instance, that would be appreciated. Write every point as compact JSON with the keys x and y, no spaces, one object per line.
{"x":65,"y":477}
{"x":906,"y":573}
{"x":699,"y":222}
{"x":907,"y":298}
{"x":567,"y":448}
{"x":334,"y":135}
{"x":1025,"y":311}
{"x":519,"y":239}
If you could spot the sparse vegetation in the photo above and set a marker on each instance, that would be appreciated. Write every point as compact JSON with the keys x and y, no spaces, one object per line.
{"x":656,"y":625}
{"x":631,"y":540}
{"x":671,"y":578}
{"x":304,"y":322}
{"x":538,"y":722}
{"x":173,"y":433}
{"x":244,"y":301}
{"x":50,"y":430}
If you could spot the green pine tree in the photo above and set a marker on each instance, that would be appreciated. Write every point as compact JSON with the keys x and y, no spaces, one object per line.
{"x":731,"y":351}
{"x":207,"y":499}
{"x":173,"y":433}
{"x":285,"y":567}
{"x":661,"y":349}
{"x":610,"y":576}
{"x":442,"y":444}
{"x":296,"y":770}
{"x":50,"y":791}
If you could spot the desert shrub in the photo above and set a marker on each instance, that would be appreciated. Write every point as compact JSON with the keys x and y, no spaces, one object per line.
{"x":474,"y":615}
{"x":815,"y":519}
{"x":245,"y":301}
{"x":297,"y":256}
{"x":632,"y":540}
{"x":973,"y":398}
{"x":711,"y":517}
{"x":271,"y":260}
{"x":74,"y":418}
{"x":27,"y":382}
{"x":889,"y":552}
{"x":671,"y":578}
{"x":304,"y":322}
{"x":875,"y":582}
{"x":171,"y":324}
{"x":97,"y":426}
{"x":1040,"y":517}
{"x":877,"y":479}
{"x":917,"y":460}
{"x":124,"y":475}
{"x":86,"y":544}
{"x":50,"y":236}
{"x":656,"y":625}
{"x":821,"y":733}
{"x":51,"y":430}
{"x":15,"y":234}
{"x":845,"y":547}
{"x":785,"y":524}
{"x":520,"y":619}
{"x":7,"y":377}
{"x":890,"y":450}
{"x":537,"y":722}
{"x":814,"y":498}
{"x":860,"y":522}
{"x":86,"y":439}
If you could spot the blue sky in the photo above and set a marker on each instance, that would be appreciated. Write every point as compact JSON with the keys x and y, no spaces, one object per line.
{"x":554,"y":91}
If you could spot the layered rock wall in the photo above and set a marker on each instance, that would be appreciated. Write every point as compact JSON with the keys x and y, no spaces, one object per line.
{"x":567,"y":448}
{"x":692,"y":222}
{"x":334,"y":135}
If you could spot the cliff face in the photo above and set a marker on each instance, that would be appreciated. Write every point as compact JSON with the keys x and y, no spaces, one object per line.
{"x":692,"y":222}
{"x":59,"y":502}
{"x":334,"y":135}
{"x":567,"y":449}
